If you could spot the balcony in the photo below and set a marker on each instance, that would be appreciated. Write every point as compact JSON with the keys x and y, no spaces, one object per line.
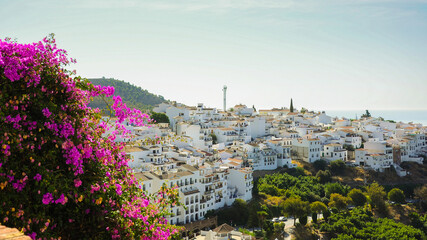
{"x":207,"y":182}
{"x":209,"y":191}
{"x":190,"y":191}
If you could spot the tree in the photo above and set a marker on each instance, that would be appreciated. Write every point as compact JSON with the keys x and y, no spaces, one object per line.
{"x":337,"y":166}
{"x":317,"y":208}
{"x":314,"y":217}
{"x":360,"y":224}
{"x":241,"y":208}
{"x":159,"y":117}
{"x":291,"y":108}
{"x":268,"y":189}
{"x":339,"y":201}
{"x":210,"y":213}
{"x":357,"y":197}
{"x":326,"y":214}
{"x":303,"y":110}
{"x":262,"y":215}
{"x":377,"y":195}
{"x":303,"y":220}
{"x":421,"y":193}
{"x":324,"y":176}
{"x":418,"y":221}
{"x":396,"y":195}
{"x":133,"y":96}
{"x":335,"y":188}
{"x":214,"y":138}
{"x":320,"y":165}
{"x":295,"y":207}
{"x":366,"y":115}
{"x":268,"y":228}
{"x":279,"y":227}
{"x":59,"y":176}
{"x":348,"y":147}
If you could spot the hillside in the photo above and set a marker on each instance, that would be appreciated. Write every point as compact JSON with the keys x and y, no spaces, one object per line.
{"x":133,"y":96}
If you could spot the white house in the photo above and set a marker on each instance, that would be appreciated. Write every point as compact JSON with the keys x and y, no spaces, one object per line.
{"x":323,"y":119}
{"x":308,"y":150}
{"x":333,"y":152}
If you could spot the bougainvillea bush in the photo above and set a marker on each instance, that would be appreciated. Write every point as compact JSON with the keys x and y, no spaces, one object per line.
{"x":60,"y":176}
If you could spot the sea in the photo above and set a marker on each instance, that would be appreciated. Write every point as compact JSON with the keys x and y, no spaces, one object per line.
{"x":415,"y":116}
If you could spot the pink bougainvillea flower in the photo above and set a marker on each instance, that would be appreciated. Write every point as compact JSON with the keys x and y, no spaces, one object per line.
{"x":47,"y":198}
{"x":77,"y":183}
{"x":38,"y":177}
{"x":50,"y":133}
{"x":46,"y":112}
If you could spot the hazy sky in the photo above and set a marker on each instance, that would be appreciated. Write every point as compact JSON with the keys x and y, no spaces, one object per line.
{"x":329,"y":54}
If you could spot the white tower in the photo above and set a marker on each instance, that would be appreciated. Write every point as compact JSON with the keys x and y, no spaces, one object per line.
{"x":224,"y":89}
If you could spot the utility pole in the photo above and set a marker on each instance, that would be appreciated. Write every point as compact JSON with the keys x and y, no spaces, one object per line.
{"x":224,"y":89}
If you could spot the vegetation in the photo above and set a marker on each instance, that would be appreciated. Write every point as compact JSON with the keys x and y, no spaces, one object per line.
{"x":396,"y":195}
{"x":133,"y":96}
{"x":360,"y":224}
{"x":337,"y":166}
{"x":239,"y":213}
{"x":59,"y":177}
{"x":320,"y":165}
{"x":317,"y":208}
{"x":294,"y":194}
{"x":291,"y":108}
{"x":324,"y":176}
{"x":339,"y":201}
{"x":159,"y":117}
{"x":307,"y":188}
{"x":357,"y":197}
{"x":377,"y":196}
{"x":421,"y":194}
{"x":296,"y":208}
{"x":303,"y":110}
{"x":367,"y":114}
{"x":419,"y":221}
{"x":348,"y":147}
{"x":214,"y":138}
{"x":336,"y":187}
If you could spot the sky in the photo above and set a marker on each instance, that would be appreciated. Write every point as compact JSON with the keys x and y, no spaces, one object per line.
{"x":325,"y":55}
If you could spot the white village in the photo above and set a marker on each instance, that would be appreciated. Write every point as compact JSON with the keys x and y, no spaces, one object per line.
{"x":210,"y":155}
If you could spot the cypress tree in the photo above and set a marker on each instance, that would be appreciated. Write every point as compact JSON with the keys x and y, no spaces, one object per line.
{"x":292,"y":106}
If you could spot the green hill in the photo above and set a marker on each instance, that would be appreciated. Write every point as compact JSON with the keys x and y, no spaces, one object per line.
{"x":133,"y":96}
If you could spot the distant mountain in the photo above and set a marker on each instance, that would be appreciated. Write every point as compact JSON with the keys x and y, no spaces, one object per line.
{"x":133,"y":96}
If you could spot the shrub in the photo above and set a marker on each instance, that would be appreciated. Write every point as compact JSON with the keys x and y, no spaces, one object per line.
{"x":396,"y":195}
{"x":338,"y":201}
{"x":357,"y":197}
{"x":337,"y":166}
{"x":59,"y":177}
{"x":324,"y":176}
{"x":320,"y":165}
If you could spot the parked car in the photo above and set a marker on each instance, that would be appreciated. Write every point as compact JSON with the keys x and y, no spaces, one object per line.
{"x":281,"y":219}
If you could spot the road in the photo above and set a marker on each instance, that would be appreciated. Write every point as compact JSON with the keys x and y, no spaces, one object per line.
{"x":289,"y":226}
